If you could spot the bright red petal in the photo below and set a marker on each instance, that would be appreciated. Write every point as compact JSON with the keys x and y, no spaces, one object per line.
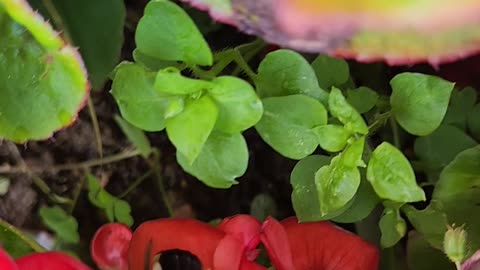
{"x":6,"y":262}
{"x":109,"y":246}
{"x":153,"y":237}
{"x":49,"y":261}
{"x":322,"y":245}
{"x":275,"y":239}
{"x":229,"y":253}
{"x":244,"y":228}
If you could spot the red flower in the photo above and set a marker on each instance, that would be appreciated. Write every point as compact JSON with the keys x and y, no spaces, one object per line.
{"x":219,"y":248}
{"x":316,"y":246}
{"x":109,"y":246}
{"x":41,"y":261}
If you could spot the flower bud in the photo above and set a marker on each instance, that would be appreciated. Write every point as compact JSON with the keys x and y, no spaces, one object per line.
{"x":455,"y":243}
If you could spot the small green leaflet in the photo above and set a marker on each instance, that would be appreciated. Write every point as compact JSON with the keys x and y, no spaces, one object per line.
{"x":332,"y":138}
{"x":64,"y":225}
{"x":330,"y":71}
{"x":170,"y":81}
{"x":392,"y":226}
{"x":363,"y":99}
{"x":462,"y":103}
{"x":346,"y":113}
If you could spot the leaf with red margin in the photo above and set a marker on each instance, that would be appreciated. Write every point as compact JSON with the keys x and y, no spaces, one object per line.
{"x":396,"y":31}
{"x":43,"y":82}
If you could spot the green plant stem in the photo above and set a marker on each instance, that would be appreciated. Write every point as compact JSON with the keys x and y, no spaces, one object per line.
{"x":97,"y":162}
{"x":135,"y":184}
{"x":395,"y":132}
{"x":161,"y":187}
{"x":96,"y":126}
{"x":76,"y":195}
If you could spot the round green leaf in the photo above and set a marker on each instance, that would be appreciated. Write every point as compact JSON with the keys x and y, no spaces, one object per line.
{"x":238,"y":104}
{"x":189,"y":130}
{"x":222,"y":159}
{"x":419,"y":102}
{"x":392,"y":176}
{"x":15,"y":242}
{"x":171,"y":82}
{"x":338,"y":182}
{"x":363,"y":99}
{"x":343,"y":111}
{"x":332,"y":138}
{"x":43,"y":83}
{"x":474,"y":122}
{"x":139,"y":102}
{"x":330,"y":71}
{"x":392,"y":226}
{"x":166,"y":32}
{"x":458,"y":191}
{"x":461,"y":104}
{"x":304,"y":195}
{"x":285,"y":72}
{"x":287,"y":123}
{"x":435,"y":153}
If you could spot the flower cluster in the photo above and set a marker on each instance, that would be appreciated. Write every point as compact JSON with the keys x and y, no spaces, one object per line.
{"x":233,"y":244}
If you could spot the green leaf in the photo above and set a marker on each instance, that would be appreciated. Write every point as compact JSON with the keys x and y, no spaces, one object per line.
{"x":392,"y":176}
{"x":140,"y":104}
{"x":64,"y":225}
{"x":151,"y":63}
{"x":263,"y":205}
{"x":171,"y":82}
{"x":419,"y":102}
{"x":461,"y":104}
{"x":238,"y":104}
{"x":222,"y":159}
{"x":15,"y":242}
{"x":338,"y":182}
{"x":135,"y":135}
{"x":435,"y":153}
{"x":421,"y":256}
{"x":343,"y":111}
{"x":43,"y":83}
{"x":98,"y":37}
{"x":474,"y":122}
{"x":332,"y":138}
{"x":287,"y":123}
{"x":431,"y":222}
{"x":114,"y":208}
{"x":285,"y":72}
{"x":304,"y":195}
{"x":459,"y":193}
{"x":363,"y":203}
{"x":189,"y":130}
{"x":330,"y":71}
{"x":166,"y":32}
{"x":392,"y":226}
{"x":363,"y":99}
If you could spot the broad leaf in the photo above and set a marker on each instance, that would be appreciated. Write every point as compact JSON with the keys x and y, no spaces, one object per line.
{"x":98,"y":37}
{"x":304,"y":195}
{"x":287,"y":123}
{"x":222,"y":159}
{"x":332,"y":138}
{"x":461,"y":104}
{"x":64,"y":225}
{"x":363,"y":99}
{"x":135,"y":135}
{"x":285,"y":72}
{"x":338,"y":182}
{"x":346,"y":113}
{"x":238,"y":104}
{"x":43,"y":82}
{"x":140,"y":104}
{"x":189,"y":130}
{"x":392,"y":226}
{"x":474,"y":122}
{"x":150,"y":62}
{"x":330,"y":71}
{"x":421,"y":256}
{"x":166,"y":32}
{"x":391,"y":175}
{"x":435,"y":153}
{"x":170,"y":81}
{"x":116,"y":210}
{"x":15,"y":242}
{"x":431,"y":222}
{"x":419,"y":102}
{"x":458,"y":191}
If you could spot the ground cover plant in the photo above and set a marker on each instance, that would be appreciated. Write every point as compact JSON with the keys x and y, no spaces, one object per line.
{"x":151,"y":135}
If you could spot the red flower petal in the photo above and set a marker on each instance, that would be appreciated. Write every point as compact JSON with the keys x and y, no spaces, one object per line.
{"x":153,"y":237}
{"x":275,"y":239}
{"x":109,"y":246}
{"x":321,"y":245}
{"x":6,"y":262}
{"x":244,"y":228}
{"x":49,"y":261}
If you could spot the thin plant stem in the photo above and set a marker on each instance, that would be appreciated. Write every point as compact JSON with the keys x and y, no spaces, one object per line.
{"x":161,"y":187}
{"x":395,"y":132}
{"x":97,"y":162}
{"x":76,"y":195}
{"x":96,"y":126}
{"x":135,"y":184}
